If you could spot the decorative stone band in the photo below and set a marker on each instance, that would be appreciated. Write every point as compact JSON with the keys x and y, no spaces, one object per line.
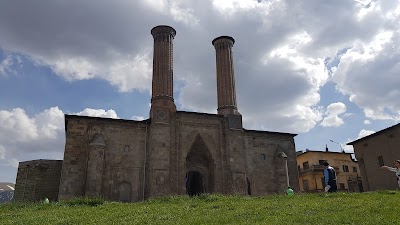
{"x":224,"y":40}
{"x":163,"y":30}
{"x":162,"y":97}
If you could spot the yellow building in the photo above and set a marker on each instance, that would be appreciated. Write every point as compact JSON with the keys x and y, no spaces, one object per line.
{"x":311,"y":170}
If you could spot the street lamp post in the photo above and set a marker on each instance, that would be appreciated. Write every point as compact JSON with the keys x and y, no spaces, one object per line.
{"x":340,"y":145}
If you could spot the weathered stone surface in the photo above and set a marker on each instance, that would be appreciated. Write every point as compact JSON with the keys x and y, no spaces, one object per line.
{"x":175,"y":152}
{"x":142,"y":159}
{"x":37,"y":180}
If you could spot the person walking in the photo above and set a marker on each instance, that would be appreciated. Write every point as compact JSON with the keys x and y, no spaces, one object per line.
{"x":330,"y":178}
{"x":395,"y":169}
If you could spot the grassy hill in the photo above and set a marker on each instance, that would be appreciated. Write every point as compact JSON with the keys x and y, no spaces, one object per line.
{"x":338,"y":208}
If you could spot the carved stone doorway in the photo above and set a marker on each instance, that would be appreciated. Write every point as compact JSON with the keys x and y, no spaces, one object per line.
{"x":124,"y":191}
{"x":199,"y":169}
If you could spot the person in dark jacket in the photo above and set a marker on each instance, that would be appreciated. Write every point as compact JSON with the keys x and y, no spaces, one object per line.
{"x":330,"y":178}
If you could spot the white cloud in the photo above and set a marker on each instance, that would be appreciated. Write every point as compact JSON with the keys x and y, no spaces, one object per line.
{"x":16,"y":126}
{"x":184,"y":15}
{"x":2,"y":152}
{"x":50,"y":122}
{"x":364,"y":133}
{"x":40,"y":136}
{"x":5,"y":65}
{"x":132,"y":73}
{"x":368,"y":73}
{"x":74,"y":68}
{"x":138,"y":118}
{"x":98,"y":113}
{"x":333,"y":111}
{"x":367,"y":122}
{"x":224,"y":5}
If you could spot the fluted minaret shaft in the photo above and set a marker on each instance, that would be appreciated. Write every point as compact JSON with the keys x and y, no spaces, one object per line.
{"x":162,"y":84}
{"x":163,"y":62}
{"x":225,"y":76}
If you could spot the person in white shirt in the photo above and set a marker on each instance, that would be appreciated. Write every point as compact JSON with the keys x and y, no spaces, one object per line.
{"x":395,"y":169}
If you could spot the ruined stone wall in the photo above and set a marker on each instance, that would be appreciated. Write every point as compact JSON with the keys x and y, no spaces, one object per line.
{"x":104,"y":158}
{"x":37,"y":179}
{"x":73,"y":174}
{"x":266,"y":168}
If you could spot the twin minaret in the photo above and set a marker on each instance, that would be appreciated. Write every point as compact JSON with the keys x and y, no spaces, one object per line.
{"x":162,"y":100}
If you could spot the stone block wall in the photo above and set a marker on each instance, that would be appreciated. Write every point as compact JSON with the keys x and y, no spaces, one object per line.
{"x":265,"y":167}
{"x":104,"y":158}
{"x":124,"y":160}
{"x":37,"y":179}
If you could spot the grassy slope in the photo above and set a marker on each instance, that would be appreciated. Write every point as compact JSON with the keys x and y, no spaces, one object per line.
{"x":339,"y":208}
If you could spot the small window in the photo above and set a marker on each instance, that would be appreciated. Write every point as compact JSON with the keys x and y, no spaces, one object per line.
{"x":380,"y":161}
{"x":298,"y":168}
{"x":345,"y":168}
{"x":354,"y":169}
{"x":305,"y":165}
{"x":321,"y":162}
{"x":262,"y":156}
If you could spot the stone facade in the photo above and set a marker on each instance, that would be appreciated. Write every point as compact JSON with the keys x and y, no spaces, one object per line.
{"x":37,"y":179}
{"x":125,"y":160}
{"x":175,"y":152}
{"x":372,"y":152}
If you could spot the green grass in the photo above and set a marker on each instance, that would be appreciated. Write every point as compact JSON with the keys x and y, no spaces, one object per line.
{"x":339,"y":208}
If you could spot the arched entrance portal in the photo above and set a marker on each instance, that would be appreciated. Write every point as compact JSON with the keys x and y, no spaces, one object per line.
{"x":194,"y":183}
{"x":199,"y":169}
{"x":124,"y":191}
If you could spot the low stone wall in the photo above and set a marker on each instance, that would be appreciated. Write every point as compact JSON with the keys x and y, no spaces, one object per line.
{"x":38,"y":179}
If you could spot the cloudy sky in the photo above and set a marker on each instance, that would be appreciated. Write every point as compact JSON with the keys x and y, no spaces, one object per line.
{"x":327,"y":70}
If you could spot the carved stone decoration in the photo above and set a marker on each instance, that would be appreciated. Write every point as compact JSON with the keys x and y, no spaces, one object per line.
{"x":124,"y":191}
{"x":239,"y":185}
{"x":122,"y":179}
{"x":95,"y":167}
{"x":161,"y":181}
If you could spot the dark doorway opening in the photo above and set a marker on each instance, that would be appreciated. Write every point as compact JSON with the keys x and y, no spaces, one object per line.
{"x":194,"y":183}
{"x":248,"y":187}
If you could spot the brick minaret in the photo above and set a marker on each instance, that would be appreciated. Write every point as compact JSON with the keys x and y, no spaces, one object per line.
{"x":225,"y":76}
{"x":162,"y":100}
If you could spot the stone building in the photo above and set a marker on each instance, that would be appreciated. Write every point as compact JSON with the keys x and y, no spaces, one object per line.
{"x":310,"y":164}
{"x":176,"y":152}
{"x":37,"y":180}
{"x":372,"y":152}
